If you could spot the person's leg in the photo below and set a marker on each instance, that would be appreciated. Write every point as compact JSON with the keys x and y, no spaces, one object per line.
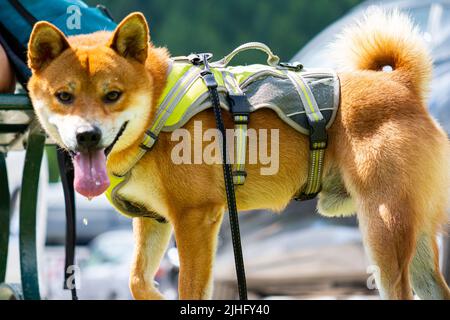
{"x":7,"y":79}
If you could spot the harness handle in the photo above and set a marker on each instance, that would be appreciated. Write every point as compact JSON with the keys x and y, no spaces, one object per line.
{"x":272,"y":59}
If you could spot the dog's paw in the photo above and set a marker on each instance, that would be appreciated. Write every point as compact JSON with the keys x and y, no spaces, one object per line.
{"x":141,"y":291}
{"x":152,"y":294}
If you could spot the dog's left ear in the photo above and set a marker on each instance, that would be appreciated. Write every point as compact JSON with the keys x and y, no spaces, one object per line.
{"x":131,"y":37}
{"x":46,"y":43}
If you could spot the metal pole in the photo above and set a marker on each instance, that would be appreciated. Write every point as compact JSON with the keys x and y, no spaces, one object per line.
{"x":28,"y":204}
{"x":4,"y":217}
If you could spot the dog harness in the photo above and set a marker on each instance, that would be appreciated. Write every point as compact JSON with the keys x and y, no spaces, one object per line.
{"x":306,"y":99}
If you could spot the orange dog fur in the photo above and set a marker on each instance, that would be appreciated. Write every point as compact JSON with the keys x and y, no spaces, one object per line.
{"x":391,"y":155}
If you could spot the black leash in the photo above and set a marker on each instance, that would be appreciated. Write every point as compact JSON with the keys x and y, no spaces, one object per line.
{"x":211,"y":83}
{"x":67,"y":175}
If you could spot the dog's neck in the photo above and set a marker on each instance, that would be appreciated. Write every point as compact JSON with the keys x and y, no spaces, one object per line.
{"x":158,"y":66}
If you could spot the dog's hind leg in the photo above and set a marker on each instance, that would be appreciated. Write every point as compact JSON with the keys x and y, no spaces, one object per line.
{"x":427,"y":280}
{"x":196,"y":232}
{"x":151,"y":240}
{"x":389,"y":240}
{"x":400,"y":200}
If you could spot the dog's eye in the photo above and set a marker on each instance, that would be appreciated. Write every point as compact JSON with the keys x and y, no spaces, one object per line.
{"x":64,"y":97}
{"x":112,"y":96}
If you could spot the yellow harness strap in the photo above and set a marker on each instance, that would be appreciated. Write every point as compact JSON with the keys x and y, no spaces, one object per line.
{"x":317,"y":137}
{"x":240,"y":131}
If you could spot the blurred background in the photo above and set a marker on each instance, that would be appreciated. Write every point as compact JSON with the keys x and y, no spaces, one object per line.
{"x":295,"y":255}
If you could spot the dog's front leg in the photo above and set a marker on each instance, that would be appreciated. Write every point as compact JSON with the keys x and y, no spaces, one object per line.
{"x":151,"y":239}
{"x":196,"y":232}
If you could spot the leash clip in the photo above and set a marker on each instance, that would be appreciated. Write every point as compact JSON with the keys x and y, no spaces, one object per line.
{"x":295,"y":66}
{"x":206,"y":74}
{"x":198,"y":59}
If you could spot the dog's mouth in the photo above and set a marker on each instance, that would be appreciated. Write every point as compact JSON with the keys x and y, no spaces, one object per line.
{"x":90,"y":174}
{"x":119,"y":134}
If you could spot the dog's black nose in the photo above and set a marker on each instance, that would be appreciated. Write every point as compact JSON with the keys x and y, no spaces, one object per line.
{"x":88,"y":137}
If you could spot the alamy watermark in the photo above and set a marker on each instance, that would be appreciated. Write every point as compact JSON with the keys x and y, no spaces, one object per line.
{"x":73,"y":21}
{"x":204,"y":146}
{"x":74,"y":274}
{"x":375,"y":276}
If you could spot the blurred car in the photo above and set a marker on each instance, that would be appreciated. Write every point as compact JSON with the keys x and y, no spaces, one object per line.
{"x":299,"y":254}
{"x":104,"y":274}
{"x":93,"y":217}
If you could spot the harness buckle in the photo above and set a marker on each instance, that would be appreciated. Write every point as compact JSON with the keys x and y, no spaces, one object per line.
{"x":239,"y":177}
{"x":151,"y":139}
{"x":239,"y":105}
{"x":209,"y":79}
{"x":318,"y":137}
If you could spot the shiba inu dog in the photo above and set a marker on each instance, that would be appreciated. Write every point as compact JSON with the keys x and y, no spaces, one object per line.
{"x":387,"y":159}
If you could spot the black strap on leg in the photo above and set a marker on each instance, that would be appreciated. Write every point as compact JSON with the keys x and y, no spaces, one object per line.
{"x":67,"y":176}
{"x":211,"y":83}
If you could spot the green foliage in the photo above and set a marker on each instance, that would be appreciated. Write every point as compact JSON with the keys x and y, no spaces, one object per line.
{"x":219,"y":26}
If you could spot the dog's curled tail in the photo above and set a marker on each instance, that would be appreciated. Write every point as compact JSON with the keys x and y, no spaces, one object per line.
{"x":386,"y":38}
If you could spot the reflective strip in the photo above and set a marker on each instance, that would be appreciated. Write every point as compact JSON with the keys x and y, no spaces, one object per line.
{"x":317,"y":152}
{"x":240,"y":147}
{"x":306,"y":95}
{"x":314,"y":172}
{"x":302,"y":112}
{"x":231,"y":83}
{"x":176,"y":94}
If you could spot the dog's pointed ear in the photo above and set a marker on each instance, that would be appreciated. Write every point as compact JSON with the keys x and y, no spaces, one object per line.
{"x":131,"y":37}
{"x":45,"y":44}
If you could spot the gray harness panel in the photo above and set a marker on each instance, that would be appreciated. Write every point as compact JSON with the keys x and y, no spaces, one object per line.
{"x":275,"y":90}
{"x":279,"y":94}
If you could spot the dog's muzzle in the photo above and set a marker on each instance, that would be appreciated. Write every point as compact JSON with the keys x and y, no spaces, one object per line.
{"x":119,"y":134}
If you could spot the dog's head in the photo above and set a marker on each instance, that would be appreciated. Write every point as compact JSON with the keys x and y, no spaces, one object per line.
{"x":94,"y":94}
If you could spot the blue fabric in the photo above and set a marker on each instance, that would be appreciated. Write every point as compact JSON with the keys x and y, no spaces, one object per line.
{"x":54,"y":11}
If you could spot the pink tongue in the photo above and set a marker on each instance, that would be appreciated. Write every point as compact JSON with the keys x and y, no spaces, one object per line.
{"x":91,"y":179}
